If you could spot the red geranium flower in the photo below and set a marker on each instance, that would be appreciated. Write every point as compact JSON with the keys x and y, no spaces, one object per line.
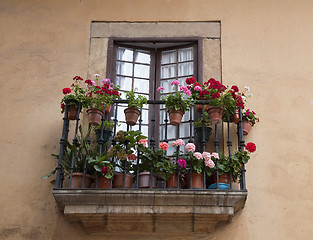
{"x":89,"y":82}
{"x":62,"y":105}
{"x":190,"y":80}
{"x":132,"y":157}
{"x":77,"y":78}
{"x":66,"y":90}
{"x":204,"y":92}
{"x":216,"y":95}
{"x":105,"y":170}
{"x":235,"y":88}
{"x":250,"y":147}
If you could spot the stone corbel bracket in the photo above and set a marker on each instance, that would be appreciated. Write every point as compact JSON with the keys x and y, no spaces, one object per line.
{"x":161,"y":211}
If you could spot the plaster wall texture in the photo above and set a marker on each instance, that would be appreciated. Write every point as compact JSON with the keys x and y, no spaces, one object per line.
{"x":265,"y":45}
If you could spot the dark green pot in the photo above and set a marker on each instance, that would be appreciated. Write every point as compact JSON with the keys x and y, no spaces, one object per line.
{"x":106,"y":135}
{"x":207,"y":133}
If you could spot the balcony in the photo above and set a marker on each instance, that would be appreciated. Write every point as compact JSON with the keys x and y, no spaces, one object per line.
{"x":153,"y":209}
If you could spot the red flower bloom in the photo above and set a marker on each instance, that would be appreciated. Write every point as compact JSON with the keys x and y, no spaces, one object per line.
{"x":104,"y":170}
{"x":77,"y":78}
{"x":235,"y":88}
{"x":66,"y":90}
{"x":132,"y":157}
{"x":250,"y":147}
{"x":204,"y":92}
{"x":89,"y":82}
{"x":216,"y":95}
{"x":62,"y":105}
{"x":190,"y":80}
{"x":197,"y":84}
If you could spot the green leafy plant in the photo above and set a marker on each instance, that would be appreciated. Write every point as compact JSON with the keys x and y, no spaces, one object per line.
{"x":199,"y":122}
{"x":107,"y":125}
{"x":157,"y":159}
{"x":81,"y":152}
{"x":135,"y":102}
{"x":102,"y":165}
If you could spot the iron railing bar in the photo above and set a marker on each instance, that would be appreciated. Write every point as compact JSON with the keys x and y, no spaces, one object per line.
{"x":216,"y":143}
{"x":229,"y":145}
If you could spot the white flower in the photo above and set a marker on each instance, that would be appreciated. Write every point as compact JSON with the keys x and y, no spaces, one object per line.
{"x":247,"y":88}
{"x":244,"y":98}
{"x":250,"y":94}
{"x":97,"y":75}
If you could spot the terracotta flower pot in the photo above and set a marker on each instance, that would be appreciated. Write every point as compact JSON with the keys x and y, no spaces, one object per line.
{"x":104,"y":182}
{"x":197,"y":180}
{"x":107,"y":109}
{"x":119,"y":180}
{"x":171,"y":182}
{"x":199,"y":106}
{"x":235,"y":117}
{"x":144,"y":180}
{"x":94,"y":116}
{"x":215,"y":114}
{"x":246,"y":126}
{"x":131,"y":115}
{"x":223,"y":181}
{"x":175,"y":117}
{"x":72,"y":112}
{"x":77,"y":180}
{"x":199,"y":135}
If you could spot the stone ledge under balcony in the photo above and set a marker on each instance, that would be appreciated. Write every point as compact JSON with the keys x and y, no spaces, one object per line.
{"x":149,"y":211}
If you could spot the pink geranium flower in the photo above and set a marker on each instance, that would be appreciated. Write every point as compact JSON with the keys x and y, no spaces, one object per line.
{"x":215,"y":155}
{"x":190,"y":147}
{"x":144,"y":142}
{"x":175,"y":82}
{"x":180,"y":142}
{"x":209,"y":163}
{"x":163,"y":146}
{"x":197,"y":155}
{"x":206,"y":156}
{"x":160,"y":89}
{"x":198,"y":88}
{"x":181,"y":163}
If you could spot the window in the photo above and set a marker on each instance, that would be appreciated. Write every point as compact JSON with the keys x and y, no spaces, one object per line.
{"x":144,"y":66}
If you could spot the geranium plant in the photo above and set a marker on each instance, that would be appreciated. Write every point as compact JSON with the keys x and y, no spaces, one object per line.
{"x":102,"y":165}
{"x":239,"y":158}
{"x":74,"y":94}
{"x":97,"y":96}
{"x":250,"y":116}
{"x":195,"y":87}
{"x":179,"y":99}
{"x":134,"y":101}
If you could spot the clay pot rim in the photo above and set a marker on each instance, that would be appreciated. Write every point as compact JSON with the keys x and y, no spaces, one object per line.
{"x":82,"y":174}
{"x":176,"y":111}
{"x":94,"y":109}
{"x":131,"y":109}
{"x":246,"y":120}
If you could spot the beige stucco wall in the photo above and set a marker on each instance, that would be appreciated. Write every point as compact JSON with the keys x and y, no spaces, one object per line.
{"x":266,"y":45}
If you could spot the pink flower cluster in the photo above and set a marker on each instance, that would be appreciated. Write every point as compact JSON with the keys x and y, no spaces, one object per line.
{"x":178,"y":142}
{"x":190,"y":147}
{"x":208,"y":159}
{"x":144,"y":142}
{"x":181,"y":163}
{"x":198,"y":155}
{"x":186,"y":90}
{"x":163,"y":146}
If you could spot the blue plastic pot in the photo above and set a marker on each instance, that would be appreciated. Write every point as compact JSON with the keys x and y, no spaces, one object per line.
{"x":220,"y":186}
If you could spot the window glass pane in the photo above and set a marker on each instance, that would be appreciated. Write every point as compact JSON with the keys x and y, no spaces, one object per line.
{"x":142,"y":56}
{"x":168,"y":71}
{"x":185,"y":54}
{"x":169,"y":57}
{"x":125,"y":69}
{"x":120,"y":113}
{"x":124,"y":54}
{"x":144,"y":129}
{"x":186,"y":116}
{"x":167,"y":85}
{"x":141,"y":85}
{"x":142,"y":71}
{"x":124,"y":83}
{"x":145,"y":116}
{"x":171,"y":132}
{"x":184,"y":130}
{"x":185,"y":69}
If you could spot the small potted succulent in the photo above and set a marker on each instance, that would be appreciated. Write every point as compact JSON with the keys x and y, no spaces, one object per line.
{"x":104,"y":168}
{"x":203,"y":125}
{"x":99,"y":97}
{"x":134,"y":104}
{"x":177,"y":102}
{"x":72,"y":96}
{"x":249,"y":119}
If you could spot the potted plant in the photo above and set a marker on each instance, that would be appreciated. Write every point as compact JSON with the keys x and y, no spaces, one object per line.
{"x":76,"y":160}
{"x":177,"y":102}
{"x":134,"y":104}
{"x":239,"y":158}
{"x":249,"y":119}
{"x":104,"y":168}
{"x":107,"y":130}
{"x":72,"y":96}
{"x":157,"y":160}
{"x":124,"y":154}
{"x":203,"y":125}
{"x":220,"y":100}
{"x":97,"y":97}
{"x":196,"y":167}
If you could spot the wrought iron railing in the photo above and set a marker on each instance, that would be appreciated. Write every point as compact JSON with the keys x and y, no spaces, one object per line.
{"x":60,"y":176}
